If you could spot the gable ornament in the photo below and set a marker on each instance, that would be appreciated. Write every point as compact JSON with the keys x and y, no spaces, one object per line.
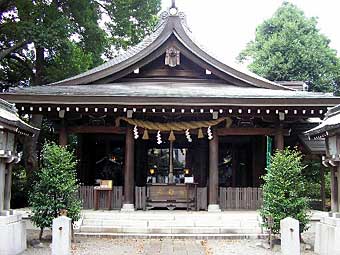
{"x":172,"y":57}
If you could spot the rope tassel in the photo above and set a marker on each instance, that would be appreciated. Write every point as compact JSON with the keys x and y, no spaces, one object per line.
{"x":145,"y":135}
{"x":172,"y":136}
{"x":200,"y":134}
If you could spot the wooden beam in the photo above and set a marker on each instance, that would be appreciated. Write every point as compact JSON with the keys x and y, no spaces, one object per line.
{"x":96,"y":129}
{"x":250,"y":131}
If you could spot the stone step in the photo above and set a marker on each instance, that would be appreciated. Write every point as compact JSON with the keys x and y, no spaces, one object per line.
{"x":174,"y":236}
{"x":171,"y":223}
{"x":169,"y":230}
{"x":168,"y":216}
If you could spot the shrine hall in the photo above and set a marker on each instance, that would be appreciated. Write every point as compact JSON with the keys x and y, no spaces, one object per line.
{"x":166,"y":125}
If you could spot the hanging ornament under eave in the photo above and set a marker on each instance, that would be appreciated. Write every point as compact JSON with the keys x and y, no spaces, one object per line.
{"x":209,"y":132}
{"x":159,"y":137}
{"x":145,"y":135}
{"x":135,"y":132}
{"x":172,"y":136}
{"x":200,"y":134}
{"x":187,"y":134}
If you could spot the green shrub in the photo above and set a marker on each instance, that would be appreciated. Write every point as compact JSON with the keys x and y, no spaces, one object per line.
{"x":284,"y":191}
{"x":55,"y":187}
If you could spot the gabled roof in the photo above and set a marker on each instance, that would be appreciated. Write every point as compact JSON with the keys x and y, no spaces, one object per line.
{"x":9,"y":120}
{"x":330,"y":123}
{"x":170,"y":26}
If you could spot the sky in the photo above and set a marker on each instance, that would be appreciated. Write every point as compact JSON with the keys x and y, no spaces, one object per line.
{"x":226,"y":26}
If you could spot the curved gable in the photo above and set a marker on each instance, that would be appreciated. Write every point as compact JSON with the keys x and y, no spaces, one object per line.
{"x":171,"y":32}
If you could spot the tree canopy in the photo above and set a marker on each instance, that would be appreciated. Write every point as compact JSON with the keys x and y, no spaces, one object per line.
{"x":289,"y":46}
{"x":42,"y":41}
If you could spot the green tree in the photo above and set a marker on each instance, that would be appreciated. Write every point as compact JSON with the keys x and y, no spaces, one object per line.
{"x":289,"y":46}
{"x":55,"y":187}
{"x":283,"y":190}
{"x":43,"y":41}
{"x":39,"y":37}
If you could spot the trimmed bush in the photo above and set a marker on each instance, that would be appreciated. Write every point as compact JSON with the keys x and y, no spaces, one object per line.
{"x":55,"y":187}
{"x":284,"y":191}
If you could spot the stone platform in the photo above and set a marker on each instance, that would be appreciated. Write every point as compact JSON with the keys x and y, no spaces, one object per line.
{"x":177,"y":224}
{"x":12,"y":233}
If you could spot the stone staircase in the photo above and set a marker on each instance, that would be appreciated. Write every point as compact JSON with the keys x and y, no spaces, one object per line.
{"x":146,"y":224}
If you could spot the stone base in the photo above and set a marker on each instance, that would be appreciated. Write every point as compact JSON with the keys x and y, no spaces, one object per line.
{"x":327,"y":235}
{"x":12,"y":234}
{"x":128,"y":208}
{"x":214,"y":208}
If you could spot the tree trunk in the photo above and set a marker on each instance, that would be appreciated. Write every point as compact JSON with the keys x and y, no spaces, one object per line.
{"x":39,"y":66}
{"x":41,"y":233}
{"x":30,"y":143}
{"x":30,"y":146}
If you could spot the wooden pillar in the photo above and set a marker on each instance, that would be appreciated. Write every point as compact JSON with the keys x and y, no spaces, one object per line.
{"x":63,"y":135}
{"x":334,"y":190}
{"x":322,"y":186}
{"x":171,"y":162}
{"x":8,"y":186}
{"x":338,"y":189}
{"x":129,"y":170}
{"x":2,"y":185}
{"x":279,"y":140}
{"x":213,"y":175}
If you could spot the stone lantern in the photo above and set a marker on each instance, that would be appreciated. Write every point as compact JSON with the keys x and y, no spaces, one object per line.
{"x":330,"y":130}
{"x":12,"y":228}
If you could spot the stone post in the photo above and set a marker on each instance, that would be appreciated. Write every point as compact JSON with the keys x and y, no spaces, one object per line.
{"x":8,"y":186}
{"x":129,"y":177}
{"x":61,"y":236}
{"x":334,"y":190}
{"x":213,"y":175}
{"x":2,"y":184}
{"x":290,"y":236}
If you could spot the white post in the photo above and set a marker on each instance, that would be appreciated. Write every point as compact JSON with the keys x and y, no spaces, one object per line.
{"x":61,"y":236}
{"x":290,"y":236}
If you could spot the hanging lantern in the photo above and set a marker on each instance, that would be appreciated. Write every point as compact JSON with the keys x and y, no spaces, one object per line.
{"x":209,"y":132}
{"x":187,"y":134}
{"x":172,"y":136}
{"x":135,"y":132}
{"x":145,"y":135}
{"x":200,"y":134}
{"x":159,"y":137}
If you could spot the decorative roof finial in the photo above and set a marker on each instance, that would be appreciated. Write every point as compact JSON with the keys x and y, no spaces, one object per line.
{"x":173,"y":4}
{"x":173,"y":10}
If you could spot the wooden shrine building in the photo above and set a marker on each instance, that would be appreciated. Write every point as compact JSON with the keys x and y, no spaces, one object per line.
{"x":166,"y":112}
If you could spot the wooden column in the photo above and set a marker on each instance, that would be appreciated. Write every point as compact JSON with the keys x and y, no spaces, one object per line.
{"x":213,"y":174}
{"x":334,"y":190}
{"x":279,"y":140}
{"x":338,"y":189}
{"x":63,"y":135}
{"x":129,"y":170}
{"x":8,"y":186}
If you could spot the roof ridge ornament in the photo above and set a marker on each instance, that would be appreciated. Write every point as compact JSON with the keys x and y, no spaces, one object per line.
{"x":173,"y":10}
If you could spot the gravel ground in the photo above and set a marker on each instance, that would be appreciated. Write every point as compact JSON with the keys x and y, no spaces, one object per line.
{"x":108,"y":246}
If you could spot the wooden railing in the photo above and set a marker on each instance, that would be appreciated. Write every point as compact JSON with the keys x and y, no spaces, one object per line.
{"x":86,"y":196}
{"x":241,"y":198}
{"x":230,"y":198}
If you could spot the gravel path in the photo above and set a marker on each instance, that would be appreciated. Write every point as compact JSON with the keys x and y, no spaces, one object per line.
{"x":108,"y":246}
